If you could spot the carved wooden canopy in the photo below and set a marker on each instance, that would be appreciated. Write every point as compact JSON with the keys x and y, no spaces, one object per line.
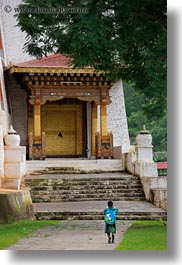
{"x":54,"y":79}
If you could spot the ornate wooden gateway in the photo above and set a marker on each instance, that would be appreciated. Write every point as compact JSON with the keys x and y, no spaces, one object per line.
{"x":67,"y":108}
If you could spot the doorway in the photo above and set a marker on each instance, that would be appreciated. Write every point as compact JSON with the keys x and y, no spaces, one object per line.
{"x":65,"y":125}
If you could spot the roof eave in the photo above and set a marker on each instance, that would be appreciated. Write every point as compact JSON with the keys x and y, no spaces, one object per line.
{"x":57,"y":70}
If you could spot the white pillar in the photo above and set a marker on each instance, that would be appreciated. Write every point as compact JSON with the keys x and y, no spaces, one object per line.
{"x":145,"y":166}
{"x":98,"y":119}
{"x":14,"y":161}
{"x":144,"y":147}
{"x":89,"y":133}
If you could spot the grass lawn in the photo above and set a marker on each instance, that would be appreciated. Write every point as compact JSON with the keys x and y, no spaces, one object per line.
{"x":145,"y":235}
{"x":10,"y":233}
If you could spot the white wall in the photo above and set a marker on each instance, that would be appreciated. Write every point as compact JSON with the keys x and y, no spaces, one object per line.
{"x":117,"y":121}
{"x":4,"y":115}
{"x":13,"y":37}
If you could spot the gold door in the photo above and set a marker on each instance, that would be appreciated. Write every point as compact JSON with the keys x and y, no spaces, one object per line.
{"x":62,"y":125}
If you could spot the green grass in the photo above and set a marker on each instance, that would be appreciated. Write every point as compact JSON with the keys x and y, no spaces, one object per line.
{"x":10,"y":233}
{"x":145,"y":235}
{"x":142,"y":235}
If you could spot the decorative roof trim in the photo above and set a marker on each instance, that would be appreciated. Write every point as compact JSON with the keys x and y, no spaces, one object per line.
{"x":17,"y":69}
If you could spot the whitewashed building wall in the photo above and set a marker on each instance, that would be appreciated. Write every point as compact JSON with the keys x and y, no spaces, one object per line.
{"x":117,"y":121}
{"x":14,"y":39}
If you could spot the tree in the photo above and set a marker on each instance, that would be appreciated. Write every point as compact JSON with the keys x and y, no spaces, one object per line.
{"x":126,"y":38}
{"x":136,"y":118}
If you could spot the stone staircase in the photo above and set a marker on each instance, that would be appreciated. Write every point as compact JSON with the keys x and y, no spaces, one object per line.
{"x":80,"y":191}
{"x":84,"y":187}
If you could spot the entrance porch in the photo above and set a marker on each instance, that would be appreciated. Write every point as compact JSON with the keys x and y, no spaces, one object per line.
{"x":66,"y":109}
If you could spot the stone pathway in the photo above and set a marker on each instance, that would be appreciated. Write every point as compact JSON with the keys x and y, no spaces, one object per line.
{"x":71,"y":235}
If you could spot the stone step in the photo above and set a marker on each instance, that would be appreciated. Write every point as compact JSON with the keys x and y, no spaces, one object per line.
{"x":84,"y":176}
{"x":92,"y":189}
{"x":87,"y":197}
{"x":93,"y":210}
{"x":98,"y":188}
{"x":90,"y":193}
{"x":97,"y":216}
{"x":74,"y":165}
{"x":79,"y":185}
{"x":95,"y":181}
{"x":118,"y":186}
{"x":57,"y":185}
{"x":85,"y":179}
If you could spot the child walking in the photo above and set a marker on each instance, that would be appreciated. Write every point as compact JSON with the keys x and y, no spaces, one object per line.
{"x":110,"y":214}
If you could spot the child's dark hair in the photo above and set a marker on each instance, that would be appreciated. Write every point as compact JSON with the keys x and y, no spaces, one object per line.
{"x":110,"y":203}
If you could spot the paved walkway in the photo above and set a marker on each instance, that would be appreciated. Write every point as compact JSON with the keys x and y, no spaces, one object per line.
{"x":80,"y":234}
{"x":71,"y":235}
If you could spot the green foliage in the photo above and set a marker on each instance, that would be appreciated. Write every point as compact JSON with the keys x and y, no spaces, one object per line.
{"x":10,"y":233}
{"x":160,"y":156}
{"x":158,"y":129}
{"x":145,"y":235}
{"x":128,"y":38}
{"x":156,"y":124}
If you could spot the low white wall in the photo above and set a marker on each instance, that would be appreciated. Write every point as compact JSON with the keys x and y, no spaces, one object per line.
{"x":154,"y":186}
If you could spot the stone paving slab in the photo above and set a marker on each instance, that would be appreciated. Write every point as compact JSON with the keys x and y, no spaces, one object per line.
{"x":96,"y":206}
{"x":70,"y":176}
{"x":71,"y":235}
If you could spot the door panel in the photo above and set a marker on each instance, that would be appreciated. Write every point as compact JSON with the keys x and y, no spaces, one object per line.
{"x":62,"y":125}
